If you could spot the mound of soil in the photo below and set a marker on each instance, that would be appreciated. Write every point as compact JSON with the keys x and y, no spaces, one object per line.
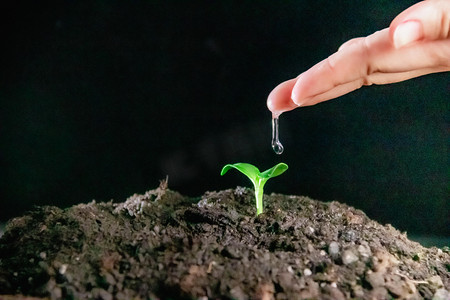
{"x":161,"y":245}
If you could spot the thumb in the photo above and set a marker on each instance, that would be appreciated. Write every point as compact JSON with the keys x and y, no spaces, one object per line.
{"x":426,"y":20}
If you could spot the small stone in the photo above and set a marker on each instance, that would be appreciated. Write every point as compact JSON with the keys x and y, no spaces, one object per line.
{"x":98,"y":293}
{"x":375,"y":279}
{"x":350,"y":235}
{"x":56,"y":293}
{"x":398,"y":287}
{"x":43,"y":255}
{"x":333,"y":249}
{"x":378,"y":293}
{"x":333,"y":293}
{"x":307,"y":272}
{"x":353,"y":218}
{"x":62,"y":269}
{"x":285,"y":280}
{"x":349,"y":257}
{"x":441,"y":294}
{"x":435,"y":281}
{"x":109,"y":278}
{"x":364,"y":252}
{"x":237,"y":293}
{"x":358,"y":291}
{"x":265,"y":291}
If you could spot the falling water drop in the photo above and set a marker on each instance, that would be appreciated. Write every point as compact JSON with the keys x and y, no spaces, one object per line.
{"x":276,"y":145}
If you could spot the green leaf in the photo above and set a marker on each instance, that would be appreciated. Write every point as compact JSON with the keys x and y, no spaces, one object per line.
{"x":258,"y":179}
{"x":275,"y":171}
{"x":249,"y":170}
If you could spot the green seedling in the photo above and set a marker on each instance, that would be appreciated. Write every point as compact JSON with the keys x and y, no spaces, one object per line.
{"x":257,"y":178}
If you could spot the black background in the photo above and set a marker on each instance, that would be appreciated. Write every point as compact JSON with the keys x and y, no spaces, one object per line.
{"x":102,"y":99}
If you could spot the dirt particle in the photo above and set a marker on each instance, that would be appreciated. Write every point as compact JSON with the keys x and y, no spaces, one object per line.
{"x":98,"y":293}
{"x":237,"y":293}
{"x":379,"y":293}
{"x":333,"y":249}
{"x":375,"y":279}
{"x":62,"y":269}
{"x":349,"y":257}
{"x":364,"y":252}
{"x":441,"y":294}
{"x":350,"y":235}
{"x":399,"y":287}
{"x":353,"y":218}
{"x":265,"y":291}
{"x":332,"y":292}
{"x":357,"y":291}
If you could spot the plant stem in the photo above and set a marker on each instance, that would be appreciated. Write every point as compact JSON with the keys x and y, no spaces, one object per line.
{"x":259,"y":192}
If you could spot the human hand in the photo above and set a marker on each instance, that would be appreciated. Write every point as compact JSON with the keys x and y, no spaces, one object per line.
{"x":416,"y":43}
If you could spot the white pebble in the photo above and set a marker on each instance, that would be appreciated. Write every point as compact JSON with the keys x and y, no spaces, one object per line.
{"x":62,"y":269}
{"x":349,"y":257}
{"x":441,"y":294}
{"x":364,"y":251}
{"x":333,"y":249}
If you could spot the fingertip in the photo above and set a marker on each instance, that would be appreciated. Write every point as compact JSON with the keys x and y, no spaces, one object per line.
{"x":271,"y":101}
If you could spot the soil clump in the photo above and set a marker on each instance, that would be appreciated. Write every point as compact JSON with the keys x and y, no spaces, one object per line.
{"x":162,"y":245}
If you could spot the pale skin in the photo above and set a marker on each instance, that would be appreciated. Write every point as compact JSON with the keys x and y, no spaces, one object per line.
{"x":416,"y":43}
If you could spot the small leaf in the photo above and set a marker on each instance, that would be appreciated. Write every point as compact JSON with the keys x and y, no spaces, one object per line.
{"x":258,"y":179}
{"x":275,"y":171}
{"x":249,"y":170}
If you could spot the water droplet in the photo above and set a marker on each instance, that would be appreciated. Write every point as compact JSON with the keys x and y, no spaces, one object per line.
{"x":276,"y":145}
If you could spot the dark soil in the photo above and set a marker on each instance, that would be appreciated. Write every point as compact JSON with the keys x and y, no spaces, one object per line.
{"x":162,"y":245}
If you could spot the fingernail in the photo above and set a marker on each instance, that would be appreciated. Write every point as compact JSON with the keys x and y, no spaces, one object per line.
{"x":296,"y":100}
{"x":294,"y":96}
{"x":407,"y":33}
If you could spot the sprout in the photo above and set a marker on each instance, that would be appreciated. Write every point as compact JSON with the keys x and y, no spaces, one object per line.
{"x":258,"y":179}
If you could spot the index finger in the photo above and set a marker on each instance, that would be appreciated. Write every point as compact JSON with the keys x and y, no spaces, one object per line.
{"x":342,"y":72}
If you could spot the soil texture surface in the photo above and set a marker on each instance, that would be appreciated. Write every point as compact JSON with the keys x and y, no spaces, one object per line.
{"x":162,"y":245}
